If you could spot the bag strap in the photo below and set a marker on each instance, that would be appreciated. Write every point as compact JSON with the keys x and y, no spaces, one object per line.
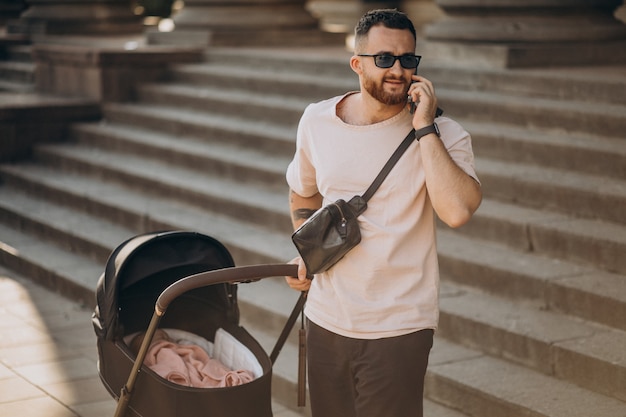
{"x":389,"y":165}
{"x":288,"y":326}
{"x":298,"y":309}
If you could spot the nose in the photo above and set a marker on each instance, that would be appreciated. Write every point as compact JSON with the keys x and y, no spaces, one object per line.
{"x":396,"y":67}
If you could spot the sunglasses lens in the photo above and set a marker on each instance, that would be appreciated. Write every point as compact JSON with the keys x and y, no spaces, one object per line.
{"x":387,"y":61}
{"x":384,"y":61}
{"x":409,"y":61}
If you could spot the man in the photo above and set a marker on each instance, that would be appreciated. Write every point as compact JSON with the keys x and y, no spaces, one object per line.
{"x":371,"y":317}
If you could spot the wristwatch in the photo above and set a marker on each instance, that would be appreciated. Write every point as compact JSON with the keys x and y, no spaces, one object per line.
{"x":426,"y":130}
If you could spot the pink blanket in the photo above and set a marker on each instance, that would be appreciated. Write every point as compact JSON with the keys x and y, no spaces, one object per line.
{"x":190,"y":365}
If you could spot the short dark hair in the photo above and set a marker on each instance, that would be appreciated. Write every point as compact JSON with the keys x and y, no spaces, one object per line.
{"x":390,"y":18}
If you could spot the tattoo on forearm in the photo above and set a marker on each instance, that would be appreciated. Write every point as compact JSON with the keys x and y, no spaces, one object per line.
{"x":302,"y":213}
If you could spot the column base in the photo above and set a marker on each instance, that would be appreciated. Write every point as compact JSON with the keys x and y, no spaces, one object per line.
{"x":103,"y":73}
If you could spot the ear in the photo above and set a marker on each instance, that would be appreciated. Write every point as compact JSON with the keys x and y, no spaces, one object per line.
{"x":355,"y":64}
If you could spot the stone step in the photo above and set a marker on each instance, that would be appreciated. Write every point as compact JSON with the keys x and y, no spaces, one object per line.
{"x":513,"y":213}
{"x":16,"y":87}
{"x":451,"y":256}
{"x":584,"y":241}
{"x":84,"y":157}
{"x":324,"y":61}
{"x":577,"y":193}
{"x":141,"y":212}
{"x":9,"y":40}
{"x":571,"y":192}
{"x":217,"y":158}
{"x":480,"y":385}
{"x":265,"y":205}
{"x":69,"y":229}
{"x":570,"y":116}
{"x":314,"y":85}
{"x":531,"y":336}
{"x":598,"y":84}
{"x":495,"y":106}
{"x":595,"y":84}
{"x":583,"y":153}
{"x":72,"y":212}
{"x":561,"y":286}
{"x":497,"y":222}
{"x":277,"y":109}
{"x":19,"y":53}
{"x":238,"y":95}
{"x":553,"y":232}
{"x":18,"y":72}
{"x":236,"y":130}
{"x":69,"y":274}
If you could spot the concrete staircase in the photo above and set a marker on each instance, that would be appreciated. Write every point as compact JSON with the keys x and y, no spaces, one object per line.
{"x":533,"y":294}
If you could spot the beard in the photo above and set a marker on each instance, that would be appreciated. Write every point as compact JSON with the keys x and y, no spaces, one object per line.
{"x":376,"y":89}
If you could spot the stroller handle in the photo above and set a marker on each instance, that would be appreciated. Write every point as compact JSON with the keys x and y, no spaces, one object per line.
{"x":219,"y":276}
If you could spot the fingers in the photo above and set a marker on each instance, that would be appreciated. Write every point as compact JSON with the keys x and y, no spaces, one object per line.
{"x":301,"y":282}
{"x":302,"y":275}
{"x":297,"y":284}
{"x":422,"y":92}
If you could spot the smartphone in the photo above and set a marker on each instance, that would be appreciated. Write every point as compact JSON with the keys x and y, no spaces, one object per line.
{"x":412,"y":103}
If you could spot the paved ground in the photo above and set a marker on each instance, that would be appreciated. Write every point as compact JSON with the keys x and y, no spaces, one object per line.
{"x":48,"y":355}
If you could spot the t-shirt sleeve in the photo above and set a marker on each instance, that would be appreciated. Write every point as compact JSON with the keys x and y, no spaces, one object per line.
{"x":301,"y":174}
{"x":458,"y":142}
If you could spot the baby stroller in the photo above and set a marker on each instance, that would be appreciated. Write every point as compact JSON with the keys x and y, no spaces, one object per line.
{"x":193,"y":277}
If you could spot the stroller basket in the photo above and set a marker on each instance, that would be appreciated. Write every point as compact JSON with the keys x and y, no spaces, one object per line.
{"x":191,"y":277}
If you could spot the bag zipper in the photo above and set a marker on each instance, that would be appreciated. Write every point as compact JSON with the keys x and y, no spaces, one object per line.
{"x":343,"y":217}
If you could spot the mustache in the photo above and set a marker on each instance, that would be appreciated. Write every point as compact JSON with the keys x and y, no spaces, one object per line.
{"x":392,"y":78}
{"x":407,"y":83}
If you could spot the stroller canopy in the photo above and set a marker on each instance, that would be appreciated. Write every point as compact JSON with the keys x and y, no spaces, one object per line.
{"x":148,"y":264}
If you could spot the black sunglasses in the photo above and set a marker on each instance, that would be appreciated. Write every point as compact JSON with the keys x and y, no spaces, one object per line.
{"x":387,"y":60}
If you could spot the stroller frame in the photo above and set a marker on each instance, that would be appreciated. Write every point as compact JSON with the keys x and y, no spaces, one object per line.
{"x":195,"y":277}
{"x":233,"y":275}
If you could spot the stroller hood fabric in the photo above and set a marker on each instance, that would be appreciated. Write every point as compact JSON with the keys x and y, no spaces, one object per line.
{"x":149,"y":255}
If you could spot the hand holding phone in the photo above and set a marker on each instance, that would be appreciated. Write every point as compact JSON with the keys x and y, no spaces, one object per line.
{"x":413,"y":104}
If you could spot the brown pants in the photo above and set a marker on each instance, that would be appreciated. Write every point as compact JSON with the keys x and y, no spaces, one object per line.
{"x":367,"y":378}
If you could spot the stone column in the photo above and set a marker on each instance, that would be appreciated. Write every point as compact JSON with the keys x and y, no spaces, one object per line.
{"x":422,"y":13}
{"x":342,"y":15}
{"x":245,"y":22}
{"x":524,"y":33}
{"x":78,"y":17}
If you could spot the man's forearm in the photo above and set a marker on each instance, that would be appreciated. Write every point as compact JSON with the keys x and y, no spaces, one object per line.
{"x":301,"y":208}
{"x":454,"y":194}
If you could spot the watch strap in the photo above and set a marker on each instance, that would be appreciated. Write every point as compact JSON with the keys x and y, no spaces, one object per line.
{"x":419,"y":133}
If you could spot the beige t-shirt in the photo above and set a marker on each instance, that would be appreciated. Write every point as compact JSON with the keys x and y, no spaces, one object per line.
{"x":388,"y":285}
